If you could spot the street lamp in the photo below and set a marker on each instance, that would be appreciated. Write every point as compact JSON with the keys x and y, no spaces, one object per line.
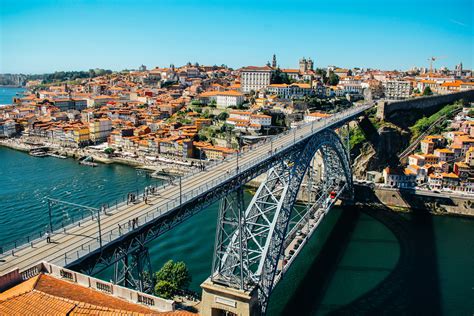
{"x":88,"y":208}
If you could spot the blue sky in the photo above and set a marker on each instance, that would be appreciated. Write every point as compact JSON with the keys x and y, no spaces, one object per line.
{"x":43,"y":35}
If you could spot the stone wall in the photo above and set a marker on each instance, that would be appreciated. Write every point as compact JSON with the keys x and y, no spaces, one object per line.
{"x":386,"y":108}
{"x":408,"y":200}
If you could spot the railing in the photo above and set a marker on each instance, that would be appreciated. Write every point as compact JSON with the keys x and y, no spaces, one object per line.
{"x":186,"y":195}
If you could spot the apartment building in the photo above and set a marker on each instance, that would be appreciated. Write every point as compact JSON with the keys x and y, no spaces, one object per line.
{"x":397,"y":89}
{"x":253,"y":78}
{"x":288,"y":91}
{"x":224,"y":99}
{"x":100,"y":129}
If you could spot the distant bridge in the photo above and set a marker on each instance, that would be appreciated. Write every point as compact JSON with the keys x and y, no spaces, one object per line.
{"x":249,"y":243}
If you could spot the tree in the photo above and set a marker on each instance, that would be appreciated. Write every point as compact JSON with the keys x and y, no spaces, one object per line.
{"x":333,"y":79}
{"x":322,"y":73}
{"x":280,"y":77}
{"x":427,"y":91}
{"x":222,"y":116}
{"x":165,"y":289}
{"x":171,"y":278}
{"x":109,"y":151}
{"x":213,"y":103}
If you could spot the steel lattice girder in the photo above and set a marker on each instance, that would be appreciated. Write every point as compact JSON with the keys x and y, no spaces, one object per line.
{"x":266,"y":218}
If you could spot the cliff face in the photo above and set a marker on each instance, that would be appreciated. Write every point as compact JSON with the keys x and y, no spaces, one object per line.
{"x":381,"y":150}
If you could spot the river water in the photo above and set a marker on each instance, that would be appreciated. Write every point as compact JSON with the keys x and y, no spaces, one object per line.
{"x":8,"y":93}
{"x":358,"y":261}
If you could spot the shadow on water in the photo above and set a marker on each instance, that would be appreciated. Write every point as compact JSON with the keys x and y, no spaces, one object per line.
{"x":411,"y":288}
{"x":309,"y":294}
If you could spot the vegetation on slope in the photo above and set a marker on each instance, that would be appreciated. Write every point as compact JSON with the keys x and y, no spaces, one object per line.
{"x":425,"y":122}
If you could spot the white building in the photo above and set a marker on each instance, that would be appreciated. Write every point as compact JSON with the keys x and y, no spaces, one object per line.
{"x":397,"y":89}
{"x":399,"y":178}
{"x":316,"y":116}
{"x":224,"y":99}
{"x":8,"y":128}
{"x":261,"y":119}
{"x":255,"y":78}
{"x":288,"y":91}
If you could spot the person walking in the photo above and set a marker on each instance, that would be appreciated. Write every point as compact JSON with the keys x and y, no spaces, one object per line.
{"x":48,"y":237}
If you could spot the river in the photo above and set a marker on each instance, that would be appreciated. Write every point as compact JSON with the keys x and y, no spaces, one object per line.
{"x":8,"y":93}
{"x":357,"y":261}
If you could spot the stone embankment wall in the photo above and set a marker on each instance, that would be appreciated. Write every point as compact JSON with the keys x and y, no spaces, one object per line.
{"x":409,"y":200}
{"x":386,"y":108}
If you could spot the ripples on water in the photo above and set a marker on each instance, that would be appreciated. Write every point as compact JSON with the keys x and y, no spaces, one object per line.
{"x":26,"y":181}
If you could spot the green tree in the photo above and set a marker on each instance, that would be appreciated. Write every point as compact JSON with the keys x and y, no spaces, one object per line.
{"x":165,"y":289}
{"x":427,"y":91}
{"x":333,"y":79}
{"x":280,"y":77}
{"x":213,"y":103}
{"x":222,"y":116}
{"x":171,"y":278}
{"x":109,"y":151}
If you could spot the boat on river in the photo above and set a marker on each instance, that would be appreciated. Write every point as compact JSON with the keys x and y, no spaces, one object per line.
{"x":38,"y":153}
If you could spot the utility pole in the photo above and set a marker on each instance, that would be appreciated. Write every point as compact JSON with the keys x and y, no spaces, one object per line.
{"x":50,"y":217}
{"x":180,"y":192}
{"x":100,"y":230}
{"x":237,"y":168}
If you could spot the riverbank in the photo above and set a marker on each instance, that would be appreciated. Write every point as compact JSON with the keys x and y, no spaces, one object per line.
{"x":25,"y":145}
{"x":400,"y":200}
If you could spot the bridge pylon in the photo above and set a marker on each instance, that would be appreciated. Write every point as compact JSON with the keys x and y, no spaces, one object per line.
{"x":134,"y":270}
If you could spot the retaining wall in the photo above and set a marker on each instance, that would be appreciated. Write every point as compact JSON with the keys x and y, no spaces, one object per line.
{"x":386,"y":108}
{"x":408,"y":200}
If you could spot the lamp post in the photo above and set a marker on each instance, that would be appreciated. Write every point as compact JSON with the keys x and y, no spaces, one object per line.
{"x":88,"y":208}
{"x":180,"y":192}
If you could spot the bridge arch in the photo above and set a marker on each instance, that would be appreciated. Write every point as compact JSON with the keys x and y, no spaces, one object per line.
{"x":249,"y":242}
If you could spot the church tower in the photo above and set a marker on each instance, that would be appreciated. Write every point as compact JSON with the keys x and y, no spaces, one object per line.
{"x":274,"y":61}
{"x":303,"y":65}
{"x":309,"y":65}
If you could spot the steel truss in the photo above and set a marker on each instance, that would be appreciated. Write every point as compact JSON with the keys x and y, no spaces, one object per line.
{"x":134,"y":270}
{"x":249,"y":244}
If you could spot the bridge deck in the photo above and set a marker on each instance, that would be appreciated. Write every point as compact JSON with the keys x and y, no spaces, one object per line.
{"x":77,"y":241}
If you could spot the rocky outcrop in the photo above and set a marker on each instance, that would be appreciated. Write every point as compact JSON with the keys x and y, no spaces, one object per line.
{"x":381,"y":150}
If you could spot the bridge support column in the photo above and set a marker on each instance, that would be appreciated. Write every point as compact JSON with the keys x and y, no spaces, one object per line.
{"x":134,"y":270}
{"x":220,"y":300}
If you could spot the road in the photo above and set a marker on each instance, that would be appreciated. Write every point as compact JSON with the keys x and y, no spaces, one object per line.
{"x":78,"y":240}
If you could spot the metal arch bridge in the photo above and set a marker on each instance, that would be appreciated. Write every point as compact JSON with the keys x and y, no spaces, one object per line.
{"x":86,"y":247}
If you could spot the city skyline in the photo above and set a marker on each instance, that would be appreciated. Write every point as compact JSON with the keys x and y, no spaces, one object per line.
{"x":93,"y":34}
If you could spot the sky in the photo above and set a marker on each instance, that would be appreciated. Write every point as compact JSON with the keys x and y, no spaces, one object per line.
{"x":40,"y":36}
